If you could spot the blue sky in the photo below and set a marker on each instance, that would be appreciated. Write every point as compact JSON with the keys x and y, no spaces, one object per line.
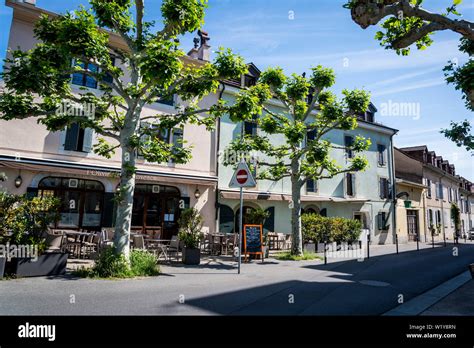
{"x":299,"y":34}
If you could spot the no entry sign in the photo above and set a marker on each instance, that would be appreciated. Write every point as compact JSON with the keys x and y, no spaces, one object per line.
{"x":242,"y":177}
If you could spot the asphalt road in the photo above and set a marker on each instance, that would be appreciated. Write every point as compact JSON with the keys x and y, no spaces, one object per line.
{"x":371,"y":287}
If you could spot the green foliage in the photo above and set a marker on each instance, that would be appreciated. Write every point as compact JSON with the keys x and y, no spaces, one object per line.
{"x":110,"y":264}
{"x":460,"y":133}
{"x":287,"y":256}
{"x":190,"y":225}
{"x":258,"y":216}
{"x":462,"y":76}
{"x":182,"y":16}
{"x":319,"y":228}
{"x":456,"y":216}
{"x":396,"y":28}
{"x":273,"y":77}
{"x":322,"y":77}
{"x":27,"y":219}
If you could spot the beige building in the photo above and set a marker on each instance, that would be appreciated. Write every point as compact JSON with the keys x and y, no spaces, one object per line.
{"x":443,"y":188}
{"x":62,"y":164}
{"x":410,"y":213}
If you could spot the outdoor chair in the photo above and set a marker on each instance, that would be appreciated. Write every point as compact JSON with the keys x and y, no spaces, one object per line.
{"x":230,"y":242}
{"x":89,"y":244}
{"x":138,"y":242}
{"x":54,"y":242}
{"x":281,"y":241}
{"x":173,"y":247}
{"x":205,"y":243}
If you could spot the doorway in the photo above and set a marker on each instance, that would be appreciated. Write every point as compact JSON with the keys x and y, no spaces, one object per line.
{"x":412,"y":224}
{"x":156,"y":207}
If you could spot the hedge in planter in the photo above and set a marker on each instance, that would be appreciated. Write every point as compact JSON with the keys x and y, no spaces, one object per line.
{"x":317,"y":228}
{"x":190,"y":226}
{"x":24,"y":222}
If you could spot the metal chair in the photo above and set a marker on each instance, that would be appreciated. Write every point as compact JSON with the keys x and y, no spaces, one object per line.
{"x":138,"y":242}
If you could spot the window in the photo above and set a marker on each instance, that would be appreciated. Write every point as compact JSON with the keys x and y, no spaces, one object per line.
{"x":450,"y":194}
{"x":438,"y":217}
{"x":384,"y":188}
{"x":250,"y":127}
{"x":81,"y":201}
{"x":370,"y":116}
{"x":461,"y":206}
{"x":311,"y":185}
{"x":381,"y":154}
{"x":350,"y":184}
{"x":78,"y":139}
{"x":428,"y":192}
{"x":83,"y":79}
{"x":348,"y":142}
{"x":174,"y":137}
{"x":86,"y":80}
{"x":167,"y":101}
{"x":430,"y":217}
{"x":439,"y":190}
{"x":382,"y":219}
{"x":311,"y":135}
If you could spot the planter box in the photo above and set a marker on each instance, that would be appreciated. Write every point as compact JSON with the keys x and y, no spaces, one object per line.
{"x":471,"y":268}
{"x":3,"y":261}
{"x":191,"y":256}
{"x":48,"y":264}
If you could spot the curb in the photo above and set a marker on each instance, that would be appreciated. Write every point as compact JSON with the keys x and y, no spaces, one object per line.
{"x":419,"y":304}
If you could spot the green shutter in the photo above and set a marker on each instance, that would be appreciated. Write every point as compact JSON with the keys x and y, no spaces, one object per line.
{"x":72,"y":134}
{"x":88,"y":138}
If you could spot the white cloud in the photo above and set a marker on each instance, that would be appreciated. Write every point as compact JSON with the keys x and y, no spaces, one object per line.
{"x":418,"y":85}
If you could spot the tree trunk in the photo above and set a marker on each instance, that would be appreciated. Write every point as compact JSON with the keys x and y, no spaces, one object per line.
{"x":123,"y":219}
{"x":297,"y":238}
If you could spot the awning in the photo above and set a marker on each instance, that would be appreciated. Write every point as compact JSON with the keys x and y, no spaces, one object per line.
{"x":94,"y":171}
{"x":267,"y":196}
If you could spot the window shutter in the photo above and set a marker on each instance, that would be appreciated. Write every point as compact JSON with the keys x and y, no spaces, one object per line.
{"x":72,"y":134}
{"x":226,"y":219}
{"x":348,"y":141}
{"x":380,"y":221}
{"x":88,"y":138}
{"x":381,"y":188}
{"x":269,"y":225}
{"x":353,"y":184}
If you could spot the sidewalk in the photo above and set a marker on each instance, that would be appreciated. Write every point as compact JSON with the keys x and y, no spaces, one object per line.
{"x":459,"y":302}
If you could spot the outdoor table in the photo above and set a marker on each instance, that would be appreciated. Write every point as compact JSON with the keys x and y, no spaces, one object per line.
{"x":161,"y":244}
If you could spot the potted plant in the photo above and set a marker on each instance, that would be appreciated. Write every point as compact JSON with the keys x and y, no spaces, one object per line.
{"x":190,"y":225}
{"x":24,"y":222}
{"x":257,"y":217}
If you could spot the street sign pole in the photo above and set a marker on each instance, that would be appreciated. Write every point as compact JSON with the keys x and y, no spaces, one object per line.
{"x":241,"y":225}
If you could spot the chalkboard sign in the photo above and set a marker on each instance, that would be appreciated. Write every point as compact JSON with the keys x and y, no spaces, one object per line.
{"x":253,"y":239}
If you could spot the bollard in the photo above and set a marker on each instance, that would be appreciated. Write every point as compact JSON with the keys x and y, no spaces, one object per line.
{"x":325,"y":255}
{"x":417,"y":243}
{"x":396,"y":241}
{"x":368,"y":248}
{"x":432,"y":239}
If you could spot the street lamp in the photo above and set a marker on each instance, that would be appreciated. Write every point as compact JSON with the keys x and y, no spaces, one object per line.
{"x":197,"y":193}
{"x":18,"y":181}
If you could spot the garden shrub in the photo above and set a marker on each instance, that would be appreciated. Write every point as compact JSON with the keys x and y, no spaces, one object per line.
{"x":319,"y":228}
{"x":113,"y":265}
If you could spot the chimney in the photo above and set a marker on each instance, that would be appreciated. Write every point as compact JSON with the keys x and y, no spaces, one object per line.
{"x":204,"y":51}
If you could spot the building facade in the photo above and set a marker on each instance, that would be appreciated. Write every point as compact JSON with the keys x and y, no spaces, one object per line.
{"x":443,"y":188}
{"x":39,"y":162}
{"x":410,"y":198}
{"x":366,"y":196}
